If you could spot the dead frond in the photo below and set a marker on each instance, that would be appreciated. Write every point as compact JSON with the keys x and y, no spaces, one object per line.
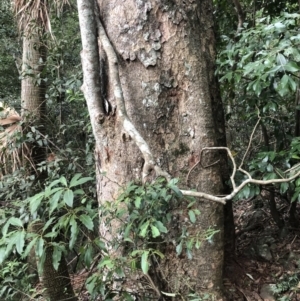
{"x":35,"y":12}
{"x":11,"y":151}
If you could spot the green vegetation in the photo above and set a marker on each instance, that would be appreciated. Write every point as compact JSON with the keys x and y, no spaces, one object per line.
{"x":258,"y":67}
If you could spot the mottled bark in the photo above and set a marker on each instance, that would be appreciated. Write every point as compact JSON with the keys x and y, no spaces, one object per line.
{"x":57,"y":282}
{"x":33,"y":88}
{"x":164,"y":51}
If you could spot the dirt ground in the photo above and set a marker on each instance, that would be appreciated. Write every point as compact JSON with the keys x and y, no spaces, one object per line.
{"x":250,"y":276}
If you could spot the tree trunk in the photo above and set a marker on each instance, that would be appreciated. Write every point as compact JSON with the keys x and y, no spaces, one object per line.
{"x":33,"y":88}
{"x":164,"y":51}
{"x":56,"y":282}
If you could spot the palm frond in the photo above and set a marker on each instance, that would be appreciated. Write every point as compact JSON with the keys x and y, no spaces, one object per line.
{"x":10,"y":159}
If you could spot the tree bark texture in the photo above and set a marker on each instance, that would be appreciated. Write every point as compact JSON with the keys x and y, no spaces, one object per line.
{"x":164,"y":50}
{"x":57,"y":282}
{"x":33,"y":87}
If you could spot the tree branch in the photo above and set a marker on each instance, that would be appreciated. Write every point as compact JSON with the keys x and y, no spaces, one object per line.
{"x":240,"y":13}
{"x":91,"y":66}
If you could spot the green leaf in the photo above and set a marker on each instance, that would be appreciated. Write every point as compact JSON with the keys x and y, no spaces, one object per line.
{"x":20,"y":241}
{"x":39,"y":247}
{"x":87,"y":221}
{"x":29,"y":247}
{"x":55,"y":182}
{"x":143,"y":229}
{"x":179,"y":248}
{"x":54,"y":201}
{"x":284,"y":81}
{"x":35,"y":201}
{"x":88,"y":256}
{"x":127,"y":230}
{"x":295,"y":196}
{"x":56,"y":256}
{"x":76,"y":180}
{"x":189,"y":254}
{"x":269,"y":167}
{"x":192,"y":216}
{"x":257,"y":87}
{"x":270,"y":176}
{"x":63,"y":180}
{"x":246,"y":191}
{"x":284,"y":187}
{"x":144,"y":262}
{"x":69,"y":197}
{"x":14,"y":221}
{"x":155,"y":231}
{"x":292,"y":84}
{"x":106,"y":262}
{"x":100,"y":244}
{"x":281,"y":60}
{"x":292,"y":67}
{"x":2,"y":255}
{"x":137,"y":202}
{"x":176,"y":190}
{"x":161,"y":227}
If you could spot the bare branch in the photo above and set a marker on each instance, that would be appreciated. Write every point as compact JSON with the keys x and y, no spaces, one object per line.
{"x":240,"y":13}
{"x":236,"y":189}
{"x":90,"y":67}
{"x":250,"y":141}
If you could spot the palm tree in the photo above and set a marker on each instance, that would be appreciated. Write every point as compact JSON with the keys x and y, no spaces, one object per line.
{"x":34,"y":20}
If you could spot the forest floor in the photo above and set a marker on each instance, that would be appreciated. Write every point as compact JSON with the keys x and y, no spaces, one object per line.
{"x":267,"y":262}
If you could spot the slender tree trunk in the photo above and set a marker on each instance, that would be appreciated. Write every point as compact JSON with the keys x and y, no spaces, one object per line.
{"x":33,"y":89}
{"x":164,"y":51}
{"x":56,"y":282}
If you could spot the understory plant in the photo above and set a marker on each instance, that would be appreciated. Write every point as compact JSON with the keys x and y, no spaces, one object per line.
{"x":142,"y":219}
{"x":68,"y":216}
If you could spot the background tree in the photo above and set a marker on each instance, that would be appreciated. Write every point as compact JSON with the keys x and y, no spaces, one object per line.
{"x":33,"y":18}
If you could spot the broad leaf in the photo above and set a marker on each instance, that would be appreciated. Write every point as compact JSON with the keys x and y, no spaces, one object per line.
{"x":192,"y":216}
{"x":14,"y":221}
{"x":35,"y":201}
{"x":155,"y":231}
{"x":144,"y":228}
{"x":161,"y":227}
{"x":87,"y":221}
{"x":29,"y":247}
{"x":20,"y":241}
{"x":54,"y":201}
{"x":69,"y":197}
{"x":76,"y":180}
{"x":144,"y":262}
{"x":63,"y":180}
